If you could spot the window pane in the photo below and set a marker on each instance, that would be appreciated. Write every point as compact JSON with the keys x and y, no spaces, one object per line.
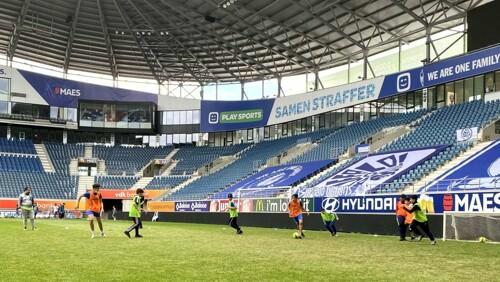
{"x":189,"y":117}
{"x":4,"y":89}
{"x":177,"y":116}
{"x":459,"y":91}
{"x":469,"y":88}
{"x":182,"y":117}
{"x":478,"y":86}
{"x":196,"y":117}
{"x":170,"y":118}
{"x":489,"y":82}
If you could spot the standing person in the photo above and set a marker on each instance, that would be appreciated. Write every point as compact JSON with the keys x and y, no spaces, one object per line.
{"x":62,"y":210}
{"x":35,"y":210}
{"x":295,"y":211}
{"x":55,"y":208}
{"x":329,"y":220}
{"x":233,"y":214}
{"x":409,"y":220}
{"x":93,"y":208}
{"x":419,"y":220}
{"x":26,"y":204}
{"x":113,"y":213}
{"x":401,"y":214}
{"x":135,"y":213}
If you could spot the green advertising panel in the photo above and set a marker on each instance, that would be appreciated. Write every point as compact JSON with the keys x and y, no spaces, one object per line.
{"x":279,"y":205}
{"x":252,"y":115}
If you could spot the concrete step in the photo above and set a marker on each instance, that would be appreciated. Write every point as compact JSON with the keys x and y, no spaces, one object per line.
{"x":88,"y":152}
{"x":42,"y":153}
{"x":142,"y":183}
{"x":85,"y":183}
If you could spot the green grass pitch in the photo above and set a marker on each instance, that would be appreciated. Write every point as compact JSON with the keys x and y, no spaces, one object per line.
{"x":63,"y":251}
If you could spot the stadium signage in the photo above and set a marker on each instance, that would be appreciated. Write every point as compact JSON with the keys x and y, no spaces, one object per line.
{"x":279,"y":205}
{"x":67,"y":91}
{"x":252,"y":115}
{"x":473,"y":202}
{"x":128,"y":194}
{"x":192,"y":206}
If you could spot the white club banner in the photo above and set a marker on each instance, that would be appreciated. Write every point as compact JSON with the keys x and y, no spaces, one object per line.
{"x":370,"y":172}
{"x":467,"y":134}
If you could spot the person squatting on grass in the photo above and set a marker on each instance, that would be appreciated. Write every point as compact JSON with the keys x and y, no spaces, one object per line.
{"x":93,"y":208}
{"x":135,"y":213}
{"x":26,"y":204}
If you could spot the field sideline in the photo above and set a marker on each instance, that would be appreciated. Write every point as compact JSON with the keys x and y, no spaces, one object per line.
{"x":63,"y":251}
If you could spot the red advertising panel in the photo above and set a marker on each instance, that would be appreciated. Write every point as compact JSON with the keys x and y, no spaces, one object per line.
{"x":128,"y":194}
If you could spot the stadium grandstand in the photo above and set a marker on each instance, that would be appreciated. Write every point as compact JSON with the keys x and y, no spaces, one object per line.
{"x":346,"y":104}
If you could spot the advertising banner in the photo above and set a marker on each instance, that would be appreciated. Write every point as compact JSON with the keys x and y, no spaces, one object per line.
{"x":369,"y":173}
{"x":161,"y":206}
{"x":436,"y":203}
{"x":66,"y":93}
{"x":192,"y":206}
{"x":479,"y":171}
{"x":128,"y":194}
{"x":280,"y":205}
{"x":245,"y":205}
{"x":233,"y":115}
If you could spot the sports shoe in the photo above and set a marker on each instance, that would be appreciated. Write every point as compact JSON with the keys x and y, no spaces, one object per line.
{"x":138,"y":236}
{"x":303,"y":235}
{"x":419,"y":238}
{"x":239,"y":232}
{"x":402,"y":239}
{"x":25,"y":228}
{"x":127,"y":233}
{"x":103,"y":235}
{"x":433,"y":242}
{"x":92,"y":236}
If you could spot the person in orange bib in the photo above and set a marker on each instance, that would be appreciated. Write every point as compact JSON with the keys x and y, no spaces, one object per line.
{"x":93,"y":208}
{"x":295,"y":210}
{"x":401,"y":214}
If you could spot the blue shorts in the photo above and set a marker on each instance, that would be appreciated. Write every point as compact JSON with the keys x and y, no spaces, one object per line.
{"x":298,"y":218}
{"x":95,"y":214}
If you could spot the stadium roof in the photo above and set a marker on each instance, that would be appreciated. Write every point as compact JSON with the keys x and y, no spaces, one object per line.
{"x":209,"y":40}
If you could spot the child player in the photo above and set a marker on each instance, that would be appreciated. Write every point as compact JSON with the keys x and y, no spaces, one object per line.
{"x":233,"y":214}
{"x":93,"y":208}
{"x":295,"y":210}
{"x":329,"y":220}
{"x":135,"y":213}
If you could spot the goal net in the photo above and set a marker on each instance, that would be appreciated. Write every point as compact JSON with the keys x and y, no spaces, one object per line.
{"x":471,"y":226}
{"x":264,"y":192}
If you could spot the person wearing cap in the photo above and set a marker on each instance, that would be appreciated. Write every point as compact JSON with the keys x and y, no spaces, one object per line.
{"x":419,"y":220}
{"x":401,"y":214}
{"x":233,"y":214}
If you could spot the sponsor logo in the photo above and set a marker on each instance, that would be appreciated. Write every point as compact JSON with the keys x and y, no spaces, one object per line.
{"x":330,"y":204}
{"x":192,"y":206}
{"x":213,"y":118}
{"x":403,"y":82}
{"x":447,"y":202}
{"x":477,"y":202}
{"x":252,"y":115}
{"x":422,"y":78}
{"x":67,"y":91}
{"x":2,"y":72}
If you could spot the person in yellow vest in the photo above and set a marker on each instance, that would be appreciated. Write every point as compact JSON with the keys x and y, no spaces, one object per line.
{"x":329,"y":220}
{"x":233,"y":214}
{"x":135,"y":213}
{"x":93,"y":208}
{"x":420,"y":220}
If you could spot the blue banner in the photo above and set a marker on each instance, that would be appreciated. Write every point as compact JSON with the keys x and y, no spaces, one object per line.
{"x":60,"y":92}
{"x":233,"y":115}
{"x":480,"y":171}
{"x":277,"y":176}
{"x":432,"y":203}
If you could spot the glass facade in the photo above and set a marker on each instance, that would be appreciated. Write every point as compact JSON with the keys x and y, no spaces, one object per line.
{"x":126,"y":116}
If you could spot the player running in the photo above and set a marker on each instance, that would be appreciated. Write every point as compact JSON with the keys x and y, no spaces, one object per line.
{"x":419,"y":220}
{"x":135,"y":213}
{"x":233,"y":214}
{"x":295,"y":210}
{"x":26,"y":204}
{"x":329,"y":220}
{"x":93,"y":208}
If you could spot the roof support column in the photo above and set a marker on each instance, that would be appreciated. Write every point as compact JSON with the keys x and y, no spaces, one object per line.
{"x":428,"y":43}
{"x":365,"y":65}
{"x":316,"y":79}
